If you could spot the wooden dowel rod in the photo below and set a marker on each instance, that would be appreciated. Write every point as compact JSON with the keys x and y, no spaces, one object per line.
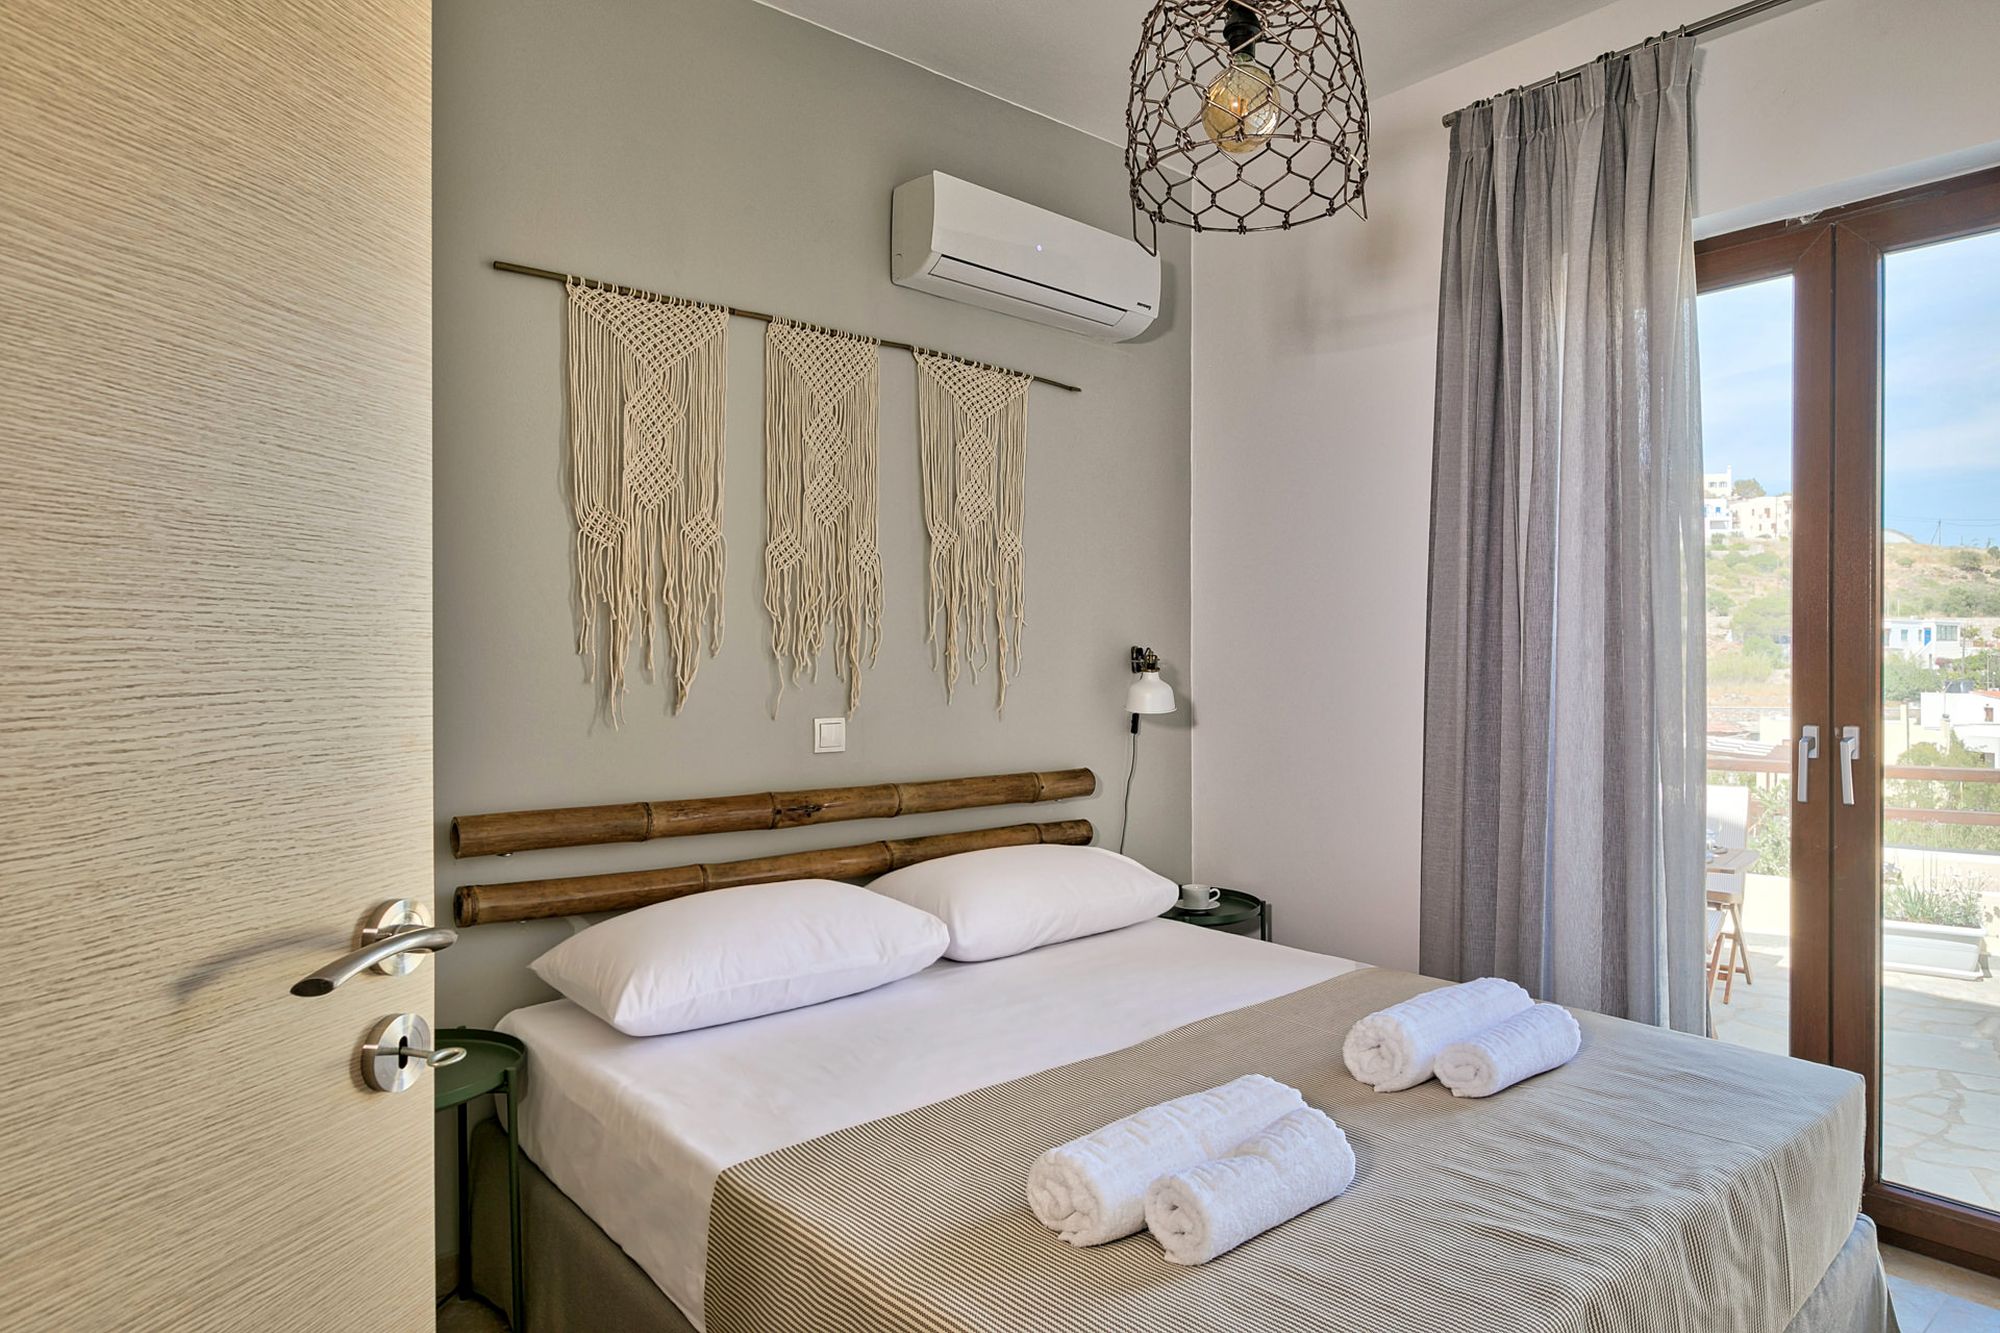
{"x":530,"y":271}
{"x":483,"y":904}
{"x":639,"y":821}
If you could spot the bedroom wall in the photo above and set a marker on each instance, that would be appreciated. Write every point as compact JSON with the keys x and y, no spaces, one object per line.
{"x":719,"y":149}
{"x":723,"y":150}
{"x":1312,"y":422}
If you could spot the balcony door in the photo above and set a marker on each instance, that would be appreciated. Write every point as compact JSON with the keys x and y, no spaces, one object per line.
{"x":1851,"y":404}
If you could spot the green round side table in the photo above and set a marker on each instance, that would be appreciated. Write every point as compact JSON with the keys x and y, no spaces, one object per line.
{"x":1235,"y":910}
{"x":492,"y":1063}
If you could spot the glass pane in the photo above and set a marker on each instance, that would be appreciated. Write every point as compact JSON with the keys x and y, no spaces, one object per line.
{"x":1941,"y":709}
{"x":1746,"y":407}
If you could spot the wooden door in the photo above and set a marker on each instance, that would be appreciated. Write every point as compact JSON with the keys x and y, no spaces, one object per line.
{"x":1925,"y":1043}
{"x":215,"y":731}
{"x":1896,"y":793}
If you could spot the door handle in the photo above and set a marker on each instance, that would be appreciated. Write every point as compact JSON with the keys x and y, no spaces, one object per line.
{"x":1850,"y":750}
{"x":1808,"y":751}
{"x":396,"y":932}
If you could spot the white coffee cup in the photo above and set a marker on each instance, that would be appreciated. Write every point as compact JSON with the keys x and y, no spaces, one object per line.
{"x":1200,"y":897}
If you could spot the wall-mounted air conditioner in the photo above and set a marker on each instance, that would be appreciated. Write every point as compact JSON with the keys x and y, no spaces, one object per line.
{"x":957,"y":240}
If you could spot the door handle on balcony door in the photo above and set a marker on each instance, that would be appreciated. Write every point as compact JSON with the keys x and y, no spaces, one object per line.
{"x":1850,"y":750}
{"x":1808,"y":751}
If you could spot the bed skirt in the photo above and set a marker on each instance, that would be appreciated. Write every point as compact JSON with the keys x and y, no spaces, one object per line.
{"x":579,"y":1281}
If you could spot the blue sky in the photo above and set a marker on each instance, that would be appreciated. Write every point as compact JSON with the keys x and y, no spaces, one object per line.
{"x":1941,"y":388}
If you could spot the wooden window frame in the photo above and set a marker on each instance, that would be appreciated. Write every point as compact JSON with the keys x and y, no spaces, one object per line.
{"x":1805,"y":254}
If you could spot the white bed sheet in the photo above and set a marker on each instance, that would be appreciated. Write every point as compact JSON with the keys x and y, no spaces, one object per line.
{"x":636,"y":1129}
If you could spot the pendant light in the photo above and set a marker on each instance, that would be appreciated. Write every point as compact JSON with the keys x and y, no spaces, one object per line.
{"x":1245,"y":115}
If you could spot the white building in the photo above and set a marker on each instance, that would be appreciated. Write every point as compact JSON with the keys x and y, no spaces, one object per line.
{"x":1928,"y":641}
{"x":1972,"y":715}
{"x":1763,"y":518}
{"x":1717,"y":517}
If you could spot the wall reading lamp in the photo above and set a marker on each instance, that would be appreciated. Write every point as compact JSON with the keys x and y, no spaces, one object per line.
{"x":1147,"y":694}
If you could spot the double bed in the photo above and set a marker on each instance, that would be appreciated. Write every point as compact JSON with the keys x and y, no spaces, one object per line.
{"x":859,"y":1165}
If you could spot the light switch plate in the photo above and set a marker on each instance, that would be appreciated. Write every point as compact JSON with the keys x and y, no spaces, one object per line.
{"x":829,"y":735}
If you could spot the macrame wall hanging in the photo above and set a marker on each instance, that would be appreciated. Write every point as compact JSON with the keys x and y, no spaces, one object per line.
{"x":972,"y":434}
{"x":822,"y":560}
{"x":645,"y":438}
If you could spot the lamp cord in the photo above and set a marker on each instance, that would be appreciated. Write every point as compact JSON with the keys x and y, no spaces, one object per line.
{"x":1131,"y":767}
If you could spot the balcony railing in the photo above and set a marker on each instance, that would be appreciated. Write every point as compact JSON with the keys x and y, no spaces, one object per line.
{"x":1779,"y":765}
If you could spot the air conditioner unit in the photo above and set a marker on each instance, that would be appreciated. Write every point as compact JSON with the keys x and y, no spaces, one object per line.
{"x":957,"y":240}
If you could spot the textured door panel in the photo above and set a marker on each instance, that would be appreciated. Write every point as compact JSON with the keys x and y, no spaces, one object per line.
{"x":215,"y":731}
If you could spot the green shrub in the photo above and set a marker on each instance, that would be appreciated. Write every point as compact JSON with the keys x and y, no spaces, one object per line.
{"x":1762,"y":619}
{"x":1967,"y":599}
{"x":1931,"y":904}
{"x":1904,"y":679}
{"x":1771,"y":834}
{"x":1750,"y":665}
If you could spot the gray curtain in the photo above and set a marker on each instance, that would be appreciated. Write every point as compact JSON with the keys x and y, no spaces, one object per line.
{"x":1563,"y":750}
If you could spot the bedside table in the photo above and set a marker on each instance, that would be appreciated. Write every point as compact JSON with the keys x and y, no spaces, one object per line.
{"x":1236,"y":911}
{"x":492,"y":1063}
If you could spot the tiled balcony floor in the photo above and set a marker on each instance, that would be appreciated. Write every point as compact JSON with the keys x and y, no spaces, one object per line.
{"x":1941,"y":1068}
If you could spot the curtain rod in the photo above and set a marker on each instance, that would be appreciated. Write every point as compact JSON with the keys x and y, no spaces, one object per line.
{"x":551,"y":275}
{"x":1699,"y":28}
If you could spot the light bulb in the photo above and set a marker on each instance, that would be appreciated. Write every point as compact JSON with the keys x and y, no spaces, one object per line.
{"x":1243,"y":107}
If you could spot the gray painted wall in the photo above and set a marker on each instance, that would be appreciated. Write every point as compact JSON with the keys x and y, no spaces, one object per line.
{"x":722,"y":150}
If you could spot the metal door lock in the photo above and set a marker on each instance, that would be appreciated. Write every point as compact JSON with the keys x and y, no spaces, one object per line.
{"x":398,"y":1049}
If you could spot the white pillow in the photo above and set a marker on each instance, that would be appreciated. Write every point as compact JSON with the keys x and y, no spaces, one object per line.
{"x":729,"y":954}
{"x":1007,"y":900}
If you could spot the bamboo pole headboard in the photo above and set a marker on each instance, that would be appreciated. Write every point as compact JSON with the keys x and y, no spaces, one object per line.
{"x":639,"y":821}
{"x":481,"y":904}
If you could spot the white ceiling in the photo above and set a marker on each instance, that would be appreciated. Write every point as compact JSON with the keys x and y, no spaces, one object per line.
{"x":1070,"y":59}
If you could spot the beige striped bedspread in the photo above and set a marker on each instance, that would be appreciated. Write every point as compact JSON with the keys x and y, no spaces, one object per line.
{"x":1660,"y":1183}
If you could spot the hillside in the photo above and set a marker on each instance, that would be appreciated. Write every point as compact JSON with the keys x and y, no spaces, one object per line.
{"x":1749,"y":613}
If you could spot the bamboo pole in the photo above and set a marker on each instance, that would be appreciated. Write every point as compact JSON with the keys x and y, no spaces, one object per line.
{"x":640,"y":821}
{"x":483,"y":904}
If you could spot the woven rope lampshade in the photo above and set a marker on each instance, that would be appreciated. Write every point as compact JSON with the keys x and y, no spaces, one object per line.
{"x":1245,"y":115}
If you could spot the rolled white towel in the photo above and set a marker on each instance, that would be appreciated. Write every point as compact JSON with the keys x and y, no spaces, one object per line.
{"x":1300,"y":1162}
{"x":1093,"y":1189}
{"x":1395,"y":1048}
{"x":1532,"y":1042}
